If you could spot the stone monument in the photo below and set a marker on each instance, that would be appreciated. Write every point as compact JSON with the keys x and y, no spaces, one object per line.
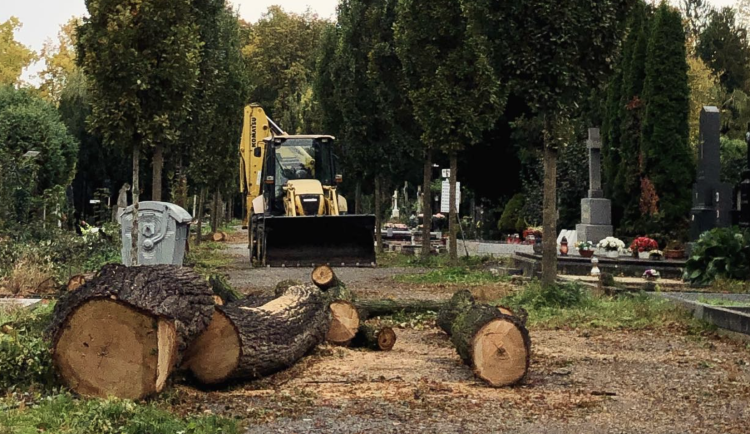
{"x":712,"y":199}
{"x":596,"y":211}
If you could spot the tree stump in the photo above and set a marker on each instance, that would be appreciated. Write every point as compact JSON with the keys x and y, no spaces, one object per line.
{"x":218,"y":236}
{"x":251,"y":342}
{"x":324,"y":277}
{"x":124,"y":331}
{"x":495,"y":345}
{"x":383,"y":338}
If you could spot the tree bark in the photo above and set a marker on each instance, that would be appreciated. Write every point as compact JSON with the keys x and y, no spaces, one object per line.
{"x":426,"y":203}
{"x":358,"y":198}
{"x":495,"y":345}
{"x":124,"y":331}
{"x":215,"y":212}
{"x":156,"y":188}
{"x":373,"y":308}
{"x":136,"y":196}
{"x":284,"y":285}
{"x":453,"y":214}
{"x":251,"y":342}
{"x":549,"y":212}
{"x":378,"y":214}
{"x":201,"y":205}
{"x":374,"y":338}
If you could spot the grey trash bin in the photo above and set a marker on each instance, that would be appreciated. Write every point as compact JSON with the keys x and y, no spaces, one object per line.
{"x":163,"y":230}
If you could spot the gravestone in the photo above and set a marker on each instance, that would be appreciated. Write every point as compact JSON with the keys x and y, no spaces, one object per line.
{"x":394,"y":205}
{"x":162,"y":233}
{"x":712,"y":199}
{"x":596,"y":211}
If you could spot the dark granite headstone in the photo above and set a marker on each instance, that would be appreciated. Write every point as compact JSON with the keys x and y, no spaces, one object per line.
{"x":712,"y":199}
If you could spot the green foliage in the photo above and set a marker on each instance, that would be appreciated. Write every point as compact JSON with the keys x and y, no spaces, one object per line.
{"x":281,"y":54}
{"x":452,"y":275}
{"x":723,"y":45}
{"x":572,"y":306}
{"x":667,"y":157}
{"x":219,"y":99}
{"x":25,"y":359}
{"x":14,"y":56}
{"x":509,"y":220}
{"x":64,"y":414}
{"x":27,"y":122}
{"x":720,"y":252}
{"x":733,"y":160}
{"x":715,"y":301}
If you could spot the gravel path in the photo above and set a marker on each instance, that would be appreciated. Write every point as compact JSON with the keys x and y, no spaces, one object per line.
{"x":593,"y":382}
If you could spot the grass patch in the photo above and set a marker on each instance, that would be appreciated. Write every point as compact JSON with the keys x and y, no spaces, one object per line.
{"x":571,"y":305}
{"x":731,"y":286}
{"x":64,"y":414}
{"x":394,"y":259}
{"x":715,"y":301}
{"x":208,"y":258}
{"x":452,"y":275}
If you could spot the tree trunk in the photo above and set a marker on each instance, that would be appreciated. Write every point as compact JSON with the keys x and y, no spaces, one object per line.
{"x":426,"y":204}
{"x":378,"y":214}
{"x":358,"y":198}
{"x":251,"y":342}
{"x":284,"y":285}
{"x":158,"y":166}
{"x":124,"y":331}
{"x":495,"y":345}
{"x":78,"y":280}
{"x":201,"y":205}
{"x":344,"y":315}
{"x":382,"y":339}
{"x":324,"y":278}
{"x":453,"y":214}
{"x":136,"y":196}
{"x":373,"y":308}
{"x":215,"y":212}
{"x":549,"y":212}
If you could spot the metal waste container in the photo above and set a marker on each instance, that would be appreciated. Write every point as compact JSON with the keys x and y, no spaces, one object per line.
{"x":163,"y":231}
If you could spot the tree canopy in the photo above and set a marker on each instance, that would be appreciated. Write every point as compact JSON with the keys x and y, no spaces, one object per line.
{"x":14,"y":56}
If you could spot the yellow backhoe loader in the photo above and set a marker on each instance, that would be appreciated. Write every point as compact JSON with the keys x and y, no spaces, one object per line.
{"x":295,"y":216}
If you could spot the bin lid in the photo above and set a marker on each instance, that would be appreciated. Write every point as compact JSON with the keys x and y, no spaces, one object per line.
{"x":176,"y":212}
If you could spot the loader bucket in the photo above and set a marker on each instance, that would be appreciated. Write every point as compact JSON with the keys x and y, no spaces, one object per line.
{"x":346,"y":240}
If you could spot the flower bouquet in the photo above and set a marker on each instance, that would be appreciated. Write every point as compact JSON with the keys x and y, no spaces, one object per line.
{"x":585,"y":248}
{"x":641,"y":247}
{"x":611,"y":246}
{"x":651,"y":275}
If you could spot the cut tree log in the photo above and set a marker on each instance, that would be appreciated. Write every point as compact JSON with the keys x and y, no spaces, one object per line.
{"x":495,"y":345}
{"x":221,"y":287}
{"x":518,"y":312}
{"x":324,"y":277}
{"x":218,"y":236}
{"x":123,"y":332}
{"x":344,"y":322}
{"x":78,"y":280}
{"x":375,"y":338}
{"x":373,"y":308}
{"x":250,"y":342}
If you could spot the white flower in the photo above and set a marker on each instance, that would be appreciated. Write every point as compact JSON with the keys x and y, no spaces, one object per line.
{"x":611,"y":244}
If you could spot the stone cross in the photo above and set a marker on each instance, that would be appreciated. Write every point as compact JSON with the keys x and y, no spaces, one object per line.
{"x":594,"y":144}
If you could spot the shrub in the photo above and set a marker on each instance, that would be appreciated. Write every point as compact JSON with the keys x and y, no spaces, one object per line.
{"x":720,"y":252}
{"x":509,"y":220}
{"x":25,"y":359}
{"x":536,"y":296}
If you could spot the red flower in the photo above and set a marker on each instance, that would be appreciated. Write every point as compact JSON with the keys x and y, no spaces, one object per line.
{"x":644,"y":244}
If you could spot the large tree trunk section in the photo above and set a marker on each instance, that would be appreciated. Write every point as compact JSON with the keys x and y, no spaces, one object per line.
{"x":460,"y":302}
{"x":344,"y":322}
{"x":324,"y":278}
{"x":453,"y":214}
{"x":123,"y":332}
{"x":426,"y":203}
{"x":250,"y":342}
{"x":495,"y":345}
{"x":549,"y":212}
{"x":382,"y":339}
{"x":221,"y":288}
{"x":219,"y":236}
{"x":158,"y":162}
{"x":373,"y":308}
{"x":284,"y":285}
{"x":78,"y":280}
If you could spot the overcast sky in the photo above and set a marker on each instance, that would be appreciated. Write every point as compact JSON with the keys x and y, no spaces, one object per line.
{"x":42,"y":18}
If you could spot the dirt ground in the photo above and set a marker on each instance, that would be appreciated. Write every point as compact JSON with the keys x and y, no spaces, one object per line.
{"x":664,"y":381}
